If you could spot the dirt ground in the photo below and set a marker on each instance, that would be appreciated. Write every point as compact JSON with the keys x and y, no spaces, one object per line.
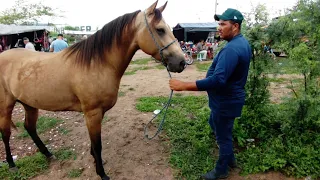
{"x":127,"y":154}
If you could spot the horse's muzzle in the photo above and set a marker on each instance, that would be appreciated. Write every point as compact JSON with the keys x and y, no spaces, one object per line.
{"x":176,"y":64}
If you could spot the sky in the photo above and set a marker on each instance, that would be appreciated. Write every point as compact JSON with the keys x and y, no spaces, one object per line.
{"x":96,"y":13}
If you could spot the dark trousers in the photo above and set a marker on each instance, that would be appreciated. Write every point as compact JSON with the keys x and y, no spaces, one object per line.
{"x":222,"y":128}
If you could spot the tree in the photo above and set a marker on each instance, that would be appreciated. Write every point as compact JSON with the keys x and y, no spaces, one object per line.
{"x":286,"y":135}
{"x":71,"y":28}
{"x":26,"y":13}
{"x":257,"y":16}
{"x":257,"y":99}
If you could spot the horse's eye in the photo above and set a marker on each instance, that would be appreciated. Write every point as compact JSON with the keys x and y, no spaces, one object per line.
{"x":160,"y":31}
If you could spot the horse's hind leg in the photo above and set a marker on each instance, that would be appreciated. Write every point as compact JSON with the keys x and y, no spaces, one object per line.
{"x":93,"y":121}
{"x":6,"y":106}
{"x":30,"y":123}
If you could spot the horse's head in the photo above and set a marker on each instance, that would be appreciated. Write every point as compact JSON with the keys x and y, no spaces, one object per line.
{"x":155,"y":38}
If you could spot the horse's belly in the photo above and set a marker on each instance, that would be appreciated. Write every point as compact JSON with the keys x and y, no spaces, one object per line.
{"x":50,"y":102}
{"x":46,"y":96}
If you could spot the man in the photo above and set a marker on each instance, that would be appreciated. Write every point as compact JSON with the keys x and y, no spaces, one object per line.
{"x":224,"y":83}
{"x":28,"y":45}
{"x":201,"y":50}
{"x":58,"y":45}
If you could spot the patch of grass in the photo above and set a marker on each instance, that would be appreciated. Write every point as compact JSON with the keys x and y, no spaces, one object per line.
{"x":120,"y":94}
{"x":36,"y":164}
{"x":141,"y":61}
{"x":203,"y":67}
{"x":277,"y":80}
{"x":104,"y":119}
{"x":29,"y":166}
{"x":284,"y":66}
{"x":132,"y":72}
{"x":20,"y":124}
{"x":74,"y":173}
{"x":63,"y":130}
{"x":297,"y":80}
{"x":65,"y":154}
{"x":43,"y":124}
{"x":178,"y":94}
{"x":187,"y":131}
{"x":160,"y":66}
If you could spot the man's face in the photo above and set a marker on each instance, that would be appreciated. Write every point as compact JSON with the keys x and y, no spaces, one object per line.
{"x":227,"y":30}
{"x":25,"y":41}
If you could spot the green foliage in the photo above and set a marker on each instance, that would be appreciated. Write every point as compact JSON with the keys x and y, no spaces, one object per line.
{"x":65,"y":154}
{"x":257,"y":16}
{"x":74,"y":173}
{"x":283,"y":66}
{"x":31,"y":166}
{"x":141,"y":61}
{"x":203,"y":67}
{"x":187,"y":131}
{"x":121,"y":94}
{"x":282,"y":137}
{"x":134,"y":70}
{"x":26,"y":13}
{"x":28,"y":167}
{"x":43,"y":124}
{"x":71,"y":28}
{"x":280,"y":142}
{"x":160,"y":66}
{"x":286,"y":135}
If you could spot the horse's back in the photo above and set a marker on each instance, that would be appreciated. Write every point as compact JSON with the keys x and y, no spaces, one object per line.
{"x":39,"y":79}
{"x":20,"y":54}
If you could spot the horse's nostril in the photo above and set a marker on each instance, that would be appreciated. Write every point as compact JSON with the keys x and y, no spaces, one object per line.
{"x":183,"y":63}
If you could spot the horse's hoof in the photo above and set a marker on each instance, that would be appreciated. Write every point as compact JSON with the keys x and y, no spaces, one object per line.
{"x":13,"y":169}
{"x":105,"y":178}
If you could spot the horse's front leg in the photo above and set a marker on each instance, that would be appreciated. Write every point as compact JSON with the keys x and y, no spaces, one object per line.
{"x":93,"y":121}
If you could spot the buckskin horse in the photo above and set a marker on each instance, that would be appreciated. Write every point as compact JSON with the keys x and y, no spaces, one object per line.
{"x":85,"y":77}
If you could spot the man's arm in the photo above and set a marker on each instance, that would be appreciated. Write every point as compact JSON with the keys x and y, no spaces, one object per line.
{"x":177,"y":85}
{"x":227,"y":62}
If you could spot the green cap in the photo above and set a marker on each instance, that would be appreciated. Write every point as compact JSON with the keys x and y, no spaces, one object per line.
{"x":230,"y":14}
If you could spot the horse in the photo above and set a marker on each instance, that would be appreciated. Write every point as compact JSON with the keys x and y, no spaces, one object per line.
{"x":84,"y":77}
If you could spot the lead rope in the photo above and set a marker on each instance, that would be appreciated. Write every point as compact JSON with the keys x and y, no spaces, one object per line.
{"x":170,"y":97}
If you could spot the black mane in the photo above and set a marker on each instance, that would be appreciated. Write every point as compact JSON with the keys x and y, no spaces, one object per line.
{"x":94,"y":48}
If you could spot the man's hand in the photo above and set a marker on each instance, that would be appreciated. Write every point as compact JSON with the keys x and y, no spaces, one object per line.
{"x":177,"y":85}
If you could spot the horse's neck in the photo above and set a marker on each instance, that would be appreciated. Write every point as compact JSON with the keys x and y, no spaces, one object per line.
{"x":120,"y":56}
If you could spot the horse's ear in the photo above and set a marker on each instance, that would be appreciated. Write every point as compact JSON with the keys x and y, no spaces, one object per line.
{"x":163,"y":7}
{"x":151,"y":9}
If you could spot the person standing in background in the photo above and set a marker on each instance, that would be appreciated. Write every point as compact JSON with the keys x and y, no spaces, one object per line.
{"x":58,"y":45}
{"x":28,"y":44}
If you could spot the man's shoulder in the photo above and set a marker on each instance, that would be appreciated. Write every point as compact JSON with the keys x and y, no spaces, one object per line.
{"x":61,"y":41}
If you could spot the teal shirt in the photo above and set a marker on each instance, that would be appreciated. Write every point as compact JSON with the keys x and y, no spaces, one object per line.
{"x":58,"y":45}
